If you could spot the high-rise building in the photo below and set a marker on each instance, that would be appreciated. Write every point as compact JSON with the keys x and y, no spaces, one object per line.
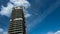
{"x":17,"y":21}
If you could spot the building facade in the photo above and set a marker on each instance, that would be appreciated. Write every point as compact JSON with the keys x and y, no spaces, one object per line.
{"x":17,"y":22}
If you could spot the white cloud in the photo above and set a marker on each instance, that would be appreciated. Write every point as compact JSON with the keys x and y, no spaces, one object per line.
{"x":24,"y":3}
{"x":5,"y":32}
{"x":7,"y":10}
{"x":57,"y":32}
{"x":50,"y":33}
{"x":2,"y":31}
{"x":27,"y":15}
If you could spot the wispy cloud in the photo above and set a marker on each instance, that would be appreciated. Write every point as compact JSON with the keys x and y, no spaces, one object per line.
{"x":40,"y":18}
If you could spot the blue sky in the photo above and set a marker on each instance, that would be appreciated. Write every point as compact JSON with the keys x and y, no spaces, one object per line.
{"x":44,"y":19}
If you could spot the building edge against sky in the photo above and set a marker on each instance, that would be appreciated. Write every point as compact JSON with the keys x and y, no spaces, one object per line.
{"x":17,"y":21}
